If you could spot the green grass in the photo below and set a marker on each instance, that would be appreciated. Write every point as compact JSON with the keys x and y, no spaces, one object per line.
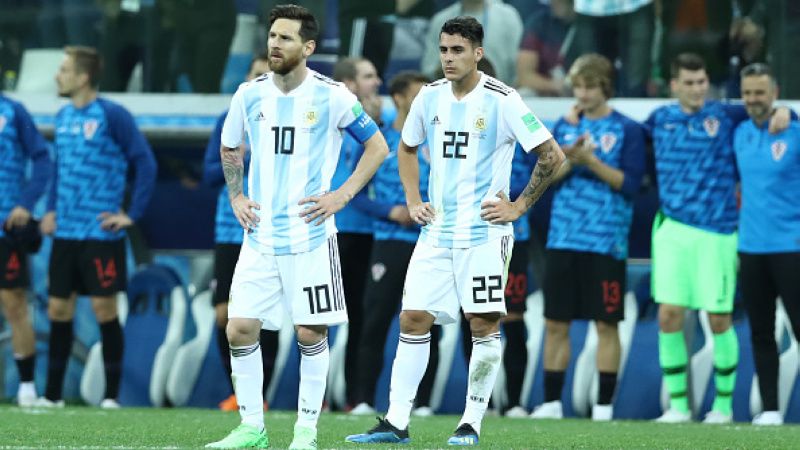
{"x":82,"y":427}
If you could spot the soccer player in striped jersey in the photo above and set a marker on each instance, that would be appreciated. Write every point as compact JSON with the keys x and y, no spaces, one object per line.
{"x":293,"y":118}
{"x":20,"y":142}
{"x":769,"y":228}
{"x":587,"y":244}
{"x":96,"y":141}
{"x":694,"y":233}
{"x":471,"y":122}
{"x":228,"y":237}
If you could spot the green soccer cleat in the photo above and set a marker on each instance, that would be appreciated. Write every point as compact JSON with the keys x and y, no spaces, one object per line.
{"x":304,"y":438}
{"x":243,"y":436}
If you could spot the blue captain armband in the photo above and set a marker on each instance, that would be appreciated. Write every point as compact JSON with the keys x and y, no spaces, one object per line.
{"x":363,"y":127}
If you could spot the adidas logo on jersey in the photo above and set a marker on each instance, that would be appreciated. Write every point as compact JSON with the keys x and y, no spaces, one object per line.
{"x":260,"y":116}
{"x":435,"y":120}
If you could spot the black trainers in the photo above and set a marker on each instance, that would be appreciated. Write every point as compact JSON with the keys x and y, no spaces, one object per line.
{"x":464,"y":435}
{"x":383,"y":433}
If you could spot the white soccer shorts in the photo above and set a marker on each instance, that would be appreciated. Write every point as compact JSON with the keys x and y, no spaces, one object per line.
{"x":306,"y":285}
{"x":440,"y":280}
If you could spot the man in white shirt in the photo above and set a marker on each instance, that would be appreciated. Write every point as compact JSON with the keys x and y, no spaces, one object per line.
{"x":472,"y":122}
{"x":294,"y":119}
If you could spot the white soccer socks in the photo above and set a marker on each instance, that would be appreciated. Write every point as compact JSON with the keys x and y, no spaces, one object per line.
{"x":407,"y":372}
{"x":248,"y":378}
{"x":314,"y":362}
{"x":483,"y":366}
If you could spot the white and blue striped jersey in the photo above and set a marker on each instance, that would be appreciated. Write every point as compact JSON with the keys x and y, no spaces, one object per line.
{"x":471,"y":145}
{"x":295,"y":140}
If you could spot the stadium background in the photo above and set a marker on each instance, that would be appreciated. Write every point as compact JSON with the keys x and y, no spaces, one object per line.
{"x":178,"y":229}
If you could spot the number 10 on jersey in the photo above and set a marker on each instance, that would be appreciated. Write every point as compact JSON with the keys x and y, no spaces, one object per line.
{"x":284,"y":140}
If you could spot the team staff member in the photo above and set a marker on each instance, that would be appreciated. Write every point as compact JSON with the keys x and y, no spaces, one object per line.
{"x":769,"y":228}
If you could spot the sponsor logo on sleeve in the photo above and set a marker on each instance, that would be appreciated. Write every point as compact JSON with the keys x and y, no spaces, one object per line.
{"x":357,"y":109}
{"x":531,"y":122}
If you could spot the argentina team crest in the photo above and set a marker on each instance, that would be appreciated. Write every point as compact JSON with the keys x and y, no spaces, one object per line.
{"x":711,"y":125}
{"x":3,"y":122}
{"x":607,"y":142}
{"x":311,"y":117}
{"x":89,"y":129}
{"x":778,"y":150}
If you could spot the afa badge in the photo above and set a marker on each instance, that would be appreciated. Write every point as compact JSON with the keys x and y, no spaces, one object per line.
{"x":311,"y":117}
{"x":778,"y":150}
{"x":480,"y":123}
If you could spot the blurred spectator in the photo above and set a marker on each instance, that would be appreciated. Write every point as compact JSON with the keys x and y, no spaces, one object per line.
{"x":366,"y":27}
{"x":622,"y":31}
{"x":778,"y":21}
{"x":68,"y":22}
{"x":16,"y":30}
{"x":502,"y":27}
{"x":134,"y":32}
{"x":697,"y":26}
{"x":769,"y":228}
{"x":544,"y":51}
{"x":204,"y":31}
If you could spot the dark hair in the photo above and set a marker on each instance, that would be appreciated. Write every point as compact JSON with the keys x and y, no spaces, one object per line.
{"x":309,"y":28}
{"x":466,"y":26}
{"x":345,"y":68}
{"x":400,"y":82}
{"x":756,"y":69}
{"x":486,"y":66}
{"x":87,"y":61}
{"x":594,"y":70}
{"x":686,"y":61}
{"x":260,"y":56}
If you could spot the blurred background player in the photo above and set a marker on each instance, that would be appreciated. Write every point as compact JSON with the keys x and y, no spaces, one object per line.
{"x":354,"y":221}
{"x":587,"y":244}
{"x":694,"y":233}
{"x":96,"y":141}
{"x":769,"y":228}
{"x":294,"y":119}
{"x":20,"y":143}
{"x":228,"y":236}
{"x":460,"y":260}
{"x":395,"y":234}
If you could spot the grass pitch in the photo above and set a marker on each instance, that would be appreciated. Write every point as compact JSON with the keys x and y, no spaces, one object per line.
{"x":84,"y":427}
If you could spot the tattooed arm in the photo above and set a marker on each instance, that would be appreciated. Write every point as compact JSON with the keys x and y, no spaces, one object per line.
{"x":233,"y":168}
{"x":502,"y":210}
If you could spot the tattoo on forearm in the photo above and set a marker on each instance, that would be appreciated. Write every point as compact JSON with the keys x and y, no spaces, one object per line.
{"x":550,"y":159}
{"x":233,"y":168}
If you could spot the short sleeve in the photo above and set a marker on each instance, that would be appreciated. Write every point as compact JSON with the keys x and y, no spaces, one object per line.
{"x":351,"y":117}
{"x":413,"y":129}
{"x":233,"y":128}
{"x":523,"y":125}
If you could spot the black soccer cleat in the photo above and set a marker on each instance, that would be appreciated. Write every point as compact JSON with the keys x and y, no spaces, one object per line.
{"x":464,"y":435}
{"x":383,"y":433}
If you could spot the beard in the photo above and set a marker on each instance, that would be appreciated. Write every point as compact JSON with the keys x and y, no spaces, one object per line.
{"x":285,"y":65}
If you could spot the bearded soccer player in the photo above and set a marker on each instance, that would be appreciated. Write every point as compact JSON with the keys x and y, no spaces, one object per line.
{"x":96,"y":141}
{"x":471,"y":122}
{"x":294,"y":119}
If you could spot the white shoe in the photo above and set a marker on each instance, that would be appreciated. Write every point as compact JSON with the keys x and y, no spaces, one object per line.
{"x":549,"y":410}
{"x":362,"y":409}
{"x":517,"y":412}
{"x":716,"y":417}
{"x":422,"y":411}
{"x":109,"y":403}
{"x":673,"y":416}
{"x":768,"y":418}
{"x":44,"y":402}
{"x":602,"y":413}
{"x":26,"y":395}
